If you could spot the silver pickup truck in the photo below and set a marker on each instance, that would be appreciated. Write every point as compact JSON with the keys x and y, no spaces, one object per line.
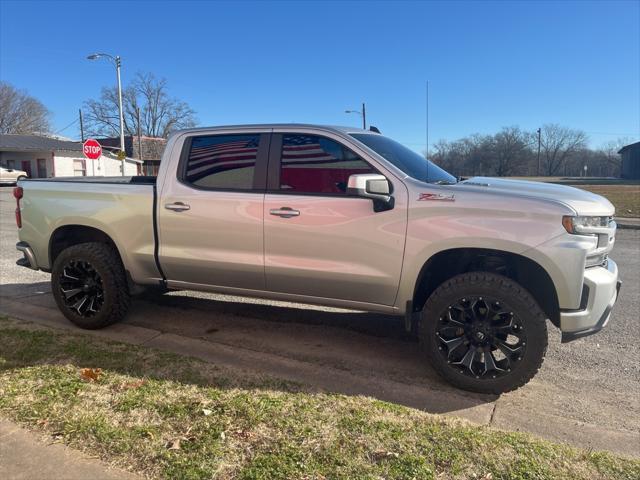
{"x":339,"y":217}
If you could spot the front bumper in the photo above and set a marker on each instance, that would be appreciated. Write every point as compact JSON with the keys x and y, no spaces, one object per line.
{"x":601,"y":287}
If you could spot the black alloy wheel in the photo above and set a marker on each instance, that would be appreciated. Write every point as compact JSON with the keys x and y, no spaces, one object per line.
{"x":81,"y":288}
{"x":481,"y":337}
{"x":90,"y":285}
{"x":483,"y":332}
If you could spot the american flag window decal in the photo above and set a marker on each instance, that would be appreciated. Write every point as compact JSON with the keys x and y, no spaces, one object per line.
{"x":223,"y":161}
{"x":312,"y":164}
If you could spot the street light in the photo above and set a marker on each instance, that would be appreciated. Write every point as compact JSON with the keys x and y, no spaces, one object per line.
{"x":116,"y":62}
{"x":362,"y":113}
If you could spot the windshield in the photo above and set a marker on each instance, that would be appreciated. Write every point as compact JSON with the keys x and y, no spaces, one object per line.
{"x":410,"y":162}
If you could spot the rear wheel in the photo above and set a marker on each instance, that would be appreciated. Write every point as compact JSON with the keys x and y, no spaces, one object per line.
{"x":484,"y":333}
{"x":90,"y":286}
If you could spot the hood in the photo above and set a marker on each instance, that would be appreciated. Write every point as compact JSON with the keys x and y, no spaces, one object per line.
{"x":581,"y":201}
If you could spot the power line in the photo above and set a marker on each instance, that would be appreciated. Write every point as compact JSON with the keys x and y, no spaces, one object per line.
{"x":63,"y":129}
{"x":421,"y":144}
{"x":609,"y":133}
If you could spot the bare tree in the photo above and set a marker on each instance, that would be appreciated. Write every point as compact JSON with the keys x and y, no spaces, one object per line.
{"x":512,"y":151}
{"x":469,"y":156}
{"x":20,"y":112}
{"x":509,"y":149}
{"x":610,"y":151}
{"x":159,"y":113}
{"x":558,"y":144}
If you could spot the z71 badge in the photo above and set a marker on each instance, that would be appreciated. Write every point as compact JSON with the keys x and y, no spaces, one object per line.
{"x":436,"y":196}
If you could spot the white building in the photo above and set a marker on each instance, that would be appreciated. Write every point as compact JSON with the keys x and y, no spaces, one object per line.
{"x":46,"y":157}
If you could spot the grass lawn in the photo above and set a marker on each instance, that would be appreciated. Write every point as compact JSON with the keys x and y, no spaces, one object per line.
{"x":167,"y":416}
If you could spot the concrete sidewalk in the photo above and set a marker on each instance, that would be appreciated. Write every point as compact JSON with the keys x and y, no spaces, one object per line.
{"x":24,"y":455}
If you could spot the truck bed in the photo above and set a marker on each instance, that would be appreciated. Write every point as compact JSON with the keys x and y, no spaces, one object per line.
{"x":121,"y":207}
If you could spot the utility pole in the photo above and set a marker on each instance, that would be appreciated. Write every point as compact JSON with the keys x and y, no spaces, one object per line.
{"x":139,"y":134}
{"x":539,"y":131}
{"x":81,"y":126}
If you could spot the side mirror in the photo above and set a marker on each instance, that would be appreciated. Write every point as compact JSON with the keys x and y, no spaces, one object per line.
{"x":373,"y":186}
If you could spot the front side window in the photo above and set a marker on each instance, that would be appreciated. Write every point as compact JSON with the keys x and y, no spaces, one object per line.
{"x":313,"y":164}
{"x":410,"y":162}
{"x":222,"y":161}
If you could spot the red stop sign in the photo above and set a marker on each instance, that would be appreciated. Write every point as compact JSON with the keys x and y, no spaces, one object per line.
{"x":92,"y":149}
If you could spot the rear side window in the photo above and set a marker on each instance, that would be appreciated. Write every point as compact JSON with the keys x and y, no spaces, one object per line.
{"x":312,"y":164}
{"x":222,"y":161}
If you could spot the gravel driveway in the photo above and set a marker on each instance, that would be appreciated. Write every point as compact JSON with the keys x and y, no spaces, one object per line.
{"x":587,"y":393}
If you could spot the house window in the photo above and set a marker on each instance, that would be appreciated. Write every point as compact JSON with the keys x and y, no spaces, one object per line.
{"x":11,"y":164}
{"x":79,"y":168}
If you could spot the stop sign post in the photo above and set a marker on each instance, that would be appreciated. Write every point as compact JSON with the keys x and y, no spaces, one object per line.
{"x":92,"y":149}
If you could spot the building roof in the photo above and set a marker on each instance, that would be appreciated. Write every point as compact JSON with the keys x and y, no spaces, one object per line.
{"x":24,"y":143}
{"x":629,"y":147}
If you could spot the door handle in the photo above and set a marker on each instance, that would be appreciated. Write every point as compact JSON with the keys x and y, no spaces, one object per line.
{"x":284,"y":212}
{"x":177,"y":206}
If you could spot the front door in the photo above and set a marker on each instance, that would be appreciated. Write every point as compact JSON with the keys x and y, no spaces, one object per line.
{"x":42,"y":168}
{"x":26,"y":167}
{"x":320,"y":241}
{"x":210,"y":216}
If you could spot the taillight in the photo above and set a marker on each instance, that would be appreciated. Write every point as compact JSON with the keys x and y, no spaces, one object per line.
{"x":18,"y":193}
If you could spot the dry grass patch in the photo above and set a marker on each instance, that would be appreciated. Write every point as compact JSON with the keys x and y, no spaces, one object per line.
{"x":168,"y":416}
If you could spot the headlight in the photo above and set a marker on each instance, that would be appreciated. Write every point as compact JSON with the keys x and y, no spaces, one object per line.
{"x":585,"y":225}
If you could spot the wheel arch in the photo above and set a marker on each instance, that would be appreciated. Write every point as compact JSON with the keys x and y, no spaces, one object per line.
{"x":451,"y":262}
{"x":66,"y":236}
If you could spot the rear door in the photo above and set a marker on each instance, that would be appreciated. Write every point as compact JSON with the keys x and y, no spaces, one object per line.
{"x":320,"y":241}
{"x":210,"y":213}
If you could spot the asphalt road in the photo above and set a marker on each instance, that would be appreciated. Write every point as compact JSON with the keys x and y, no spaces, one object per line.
{"x":587,"y":392}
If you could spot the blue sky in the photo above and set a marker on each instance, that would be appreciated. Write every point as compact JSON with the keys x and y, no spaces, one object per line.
{"x":489,"y":64}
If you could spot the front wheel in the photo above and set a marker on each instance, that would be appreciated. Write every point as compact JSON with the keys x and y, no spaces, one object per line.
{"x":484,"y":333}
{"x":90,"y":286}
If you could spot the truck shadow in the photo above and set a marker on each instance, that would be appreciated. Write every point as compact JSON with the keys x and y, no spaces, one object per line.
{"x":377,"y":325}
{"x":349,"y":352}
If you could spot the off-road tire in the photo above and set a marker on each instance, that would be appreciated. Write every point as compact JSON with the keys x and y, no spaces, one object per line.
{"x":106,"y":262}
{"x":509,"y":292}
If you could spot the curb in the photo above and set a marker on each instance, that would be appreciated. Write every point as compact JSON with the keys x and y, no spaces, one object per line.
{"x":628,"y":226}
